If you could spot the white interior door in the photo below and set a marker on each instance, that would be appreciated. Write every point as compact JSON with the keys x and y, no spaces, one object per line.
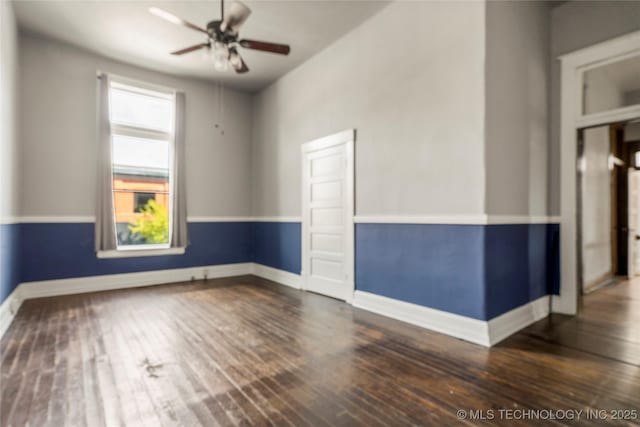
{"x":327,"y":216}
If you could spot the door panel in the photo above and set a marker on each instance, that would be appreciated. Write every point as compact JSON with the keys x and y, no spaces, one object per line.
{"x":326,"y":242}
{"x":326,"y":216}
{"x":326,"y":268}
{"x":326,"y":191}
{"x":324,"y":166}
{"x":327,"y":219}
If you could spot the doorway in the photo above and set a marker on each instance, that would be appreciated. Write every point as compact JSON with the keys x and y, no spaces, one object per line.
{"x":607,"y":204}
{"x":327,"y":216}
{"x":598,"y":86}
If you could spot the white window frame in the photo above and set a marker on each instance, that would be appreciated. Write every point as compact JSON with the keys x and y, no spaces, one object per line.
{"x":129,"y":251}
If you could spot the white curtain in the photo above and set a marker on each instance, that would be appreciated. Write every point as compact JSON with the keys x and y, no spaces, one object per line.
{"x":105,"y":233}
{"x":179,"y":236}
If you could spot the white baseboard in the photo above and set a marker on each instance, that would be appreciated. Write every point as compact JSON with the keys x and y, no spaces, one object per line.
{"x":78,"y":285}
{"x":486,"y":333}
{"x":466,"y":328}
{"x":512,"y":321}
{"x":9,"y":308}
{"x":283,"y":277}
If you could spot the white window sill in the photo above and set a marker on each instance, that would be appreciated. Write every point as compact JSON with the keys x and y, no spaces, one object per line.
{"x":140,"y":252}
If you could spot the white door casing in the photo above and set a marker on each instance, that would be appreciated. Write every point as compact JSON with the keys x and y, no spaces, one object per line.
{"x":573,"y":66}
{"x":327,"y":215}
{"x":633,"y":201}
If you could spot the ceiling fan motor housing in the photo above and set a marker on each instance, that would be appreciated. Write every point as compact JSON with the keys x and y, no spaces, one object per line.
{"x":213,"y":28}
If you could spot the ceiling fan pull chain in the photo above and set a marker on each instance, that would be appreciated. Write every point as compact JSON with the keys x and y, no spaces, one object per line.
{"x":222,"y":107}
{"x":220,"y":97}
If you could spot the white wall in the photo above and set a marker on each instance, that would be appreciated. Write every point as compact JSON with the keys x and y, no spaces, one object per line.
{"x":517,"y":85}
{"x":631,"y":97}
{"x":596,"y":206}
{"x":8,"y":117}
{"x":415,"y":94}
{"x":58,"y":128}
{"x":574,"y":25}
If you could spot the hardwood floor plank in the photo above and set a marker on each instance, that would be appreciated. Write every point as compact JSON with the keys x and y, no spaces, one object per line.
{"x":246,"y":352}
{"x":46,"y":336}
{"x":153,"y":354}
{"x":58,"y":404}
{"x":75,"y":384}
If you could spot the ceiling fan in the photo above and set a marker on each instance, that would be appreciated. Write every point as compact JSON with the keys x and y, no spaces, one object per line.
{"x":222,"y":37}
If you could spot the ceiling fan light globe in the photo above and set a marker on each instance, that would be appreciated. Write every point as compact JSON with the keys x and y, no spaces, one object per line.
{"x":221,"y":65}
{"x":206,"y":54}
{"x":220,"y":55}
{"x":221,"y":48}
{"x":235,"y":60}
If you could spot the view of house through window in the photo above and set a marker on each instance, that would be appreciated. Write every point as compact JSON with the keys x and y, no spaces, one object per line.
{"x":142,"y":127}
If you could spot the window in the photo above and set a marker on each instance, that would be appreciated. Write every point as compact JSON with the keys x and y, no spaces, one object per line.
{"x":142,"y":123}
{"x":612,"y":86}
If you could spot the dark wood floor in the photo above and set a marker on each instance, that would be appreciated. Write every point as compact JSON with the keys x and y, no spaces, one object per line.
{"x":244,"y":351}
{"x":608,"y":324}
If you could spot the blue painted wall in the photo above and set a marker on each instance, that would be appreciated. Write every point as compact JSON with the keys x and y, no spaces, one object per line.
{"x":476,"y":271}
{"x":278,"y":245}
{"x":437,"y":266}
{"x":9,"y":259}
{"x":65,"y":250}
{"x":59,"y":251}
{"x":519,"y":264}
{"x":473,"y":270}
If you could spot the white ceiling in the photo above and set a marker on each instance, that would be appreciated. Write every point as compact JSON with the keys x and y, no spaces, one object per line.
{"x":126,"y":31}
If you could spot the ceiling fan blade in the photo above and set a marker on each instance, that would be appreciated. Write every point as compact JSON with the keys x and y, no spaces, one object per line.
{"x":282,"y":49}
{"x":236,"y":16}
{"x":174,"y":19}
{"x":190,"y":49}
{"x":236,"y":61}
